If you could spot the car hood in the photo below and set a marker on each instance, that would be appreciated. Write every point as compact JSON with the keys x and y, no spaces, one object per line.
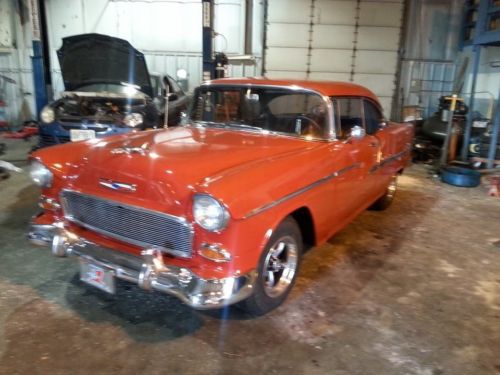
{"x":96,"y":58}
{"x":167,"y":166}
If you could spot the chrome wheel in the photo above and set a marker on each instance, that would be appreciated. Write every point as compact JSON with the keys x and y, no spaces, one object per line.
{"x":391,"y":189}
{"x":385,"y":200}
{"x":280,"y":266}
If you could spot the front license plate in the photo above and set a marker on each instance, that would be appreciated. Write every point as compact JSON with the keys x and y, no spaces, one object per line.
{"x":81,"y":134}
{"x":97,"y":276}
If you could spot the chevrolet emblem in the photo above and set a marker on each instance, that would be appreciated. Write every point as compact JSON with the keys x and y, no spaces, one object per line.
{"x":115,"y":185}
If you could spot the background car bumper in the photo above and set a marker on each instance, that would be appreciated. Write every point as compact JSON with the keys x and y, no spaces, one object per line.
{"x":57,"y":133}
{"x":148,"y":271}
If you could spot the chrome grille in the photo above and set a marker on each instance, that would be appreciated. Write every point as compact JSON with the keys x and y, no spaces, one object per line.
{"x":129,"y":224}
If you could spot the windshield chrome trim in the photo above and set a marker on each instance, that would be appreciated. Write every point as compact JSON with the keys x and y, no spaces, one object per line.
{"x":300,"y":191}
{"x":326,"y":99}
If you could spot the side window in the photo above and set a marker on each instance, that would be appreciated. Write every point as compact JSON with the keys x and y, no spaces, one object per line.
{"x":350,"y":113}
{"x":373,"y":117}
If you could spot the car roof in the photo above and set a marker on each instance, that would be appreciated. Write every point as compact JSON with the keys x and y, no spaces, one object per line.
{"x":328,"y":88}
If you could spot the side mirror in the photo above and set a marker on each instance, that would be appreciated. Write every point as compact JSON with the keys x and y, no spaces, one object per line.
{"x":357,"y":132}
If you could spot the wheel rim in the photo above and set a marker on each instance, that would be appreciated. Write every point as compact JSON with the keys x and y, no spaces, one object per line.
{"x":391,"y":189}
{"x":280,"y":266}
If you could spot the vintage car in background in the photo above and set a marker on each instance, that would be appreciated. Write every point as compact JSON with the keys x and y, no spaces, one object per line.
{"x":108,"y":91}
{"x":220,"y":210}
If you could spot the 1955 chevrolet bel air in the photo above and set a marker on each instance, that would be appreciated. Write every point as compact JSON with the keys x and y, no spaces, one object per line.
{"x":220,"y":210}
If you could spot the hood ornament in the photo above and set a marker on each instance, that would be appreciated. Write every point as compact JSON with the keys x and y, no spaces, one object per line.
{"x":130,"y":150}
{"x":142,"y":150}
{"x":118,"y":186}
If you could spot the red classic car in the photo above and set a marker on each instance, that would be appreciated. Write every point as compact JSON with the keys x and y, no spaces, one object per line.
{"x":219,"y":211}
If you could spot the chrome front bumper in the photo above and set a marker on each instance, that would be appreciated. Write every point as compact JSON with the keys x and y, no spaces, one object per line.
{"x":148,"y":271}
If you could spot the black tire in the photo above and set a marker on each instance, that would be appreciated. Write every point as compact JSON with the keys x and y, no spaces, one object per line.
{"x":385,"y":200}
{"x":269,"y":294}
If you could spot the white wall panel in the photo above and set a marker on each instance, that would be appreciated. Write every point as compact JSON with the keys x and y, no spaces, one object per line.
{"x":378,"y":38}
{"x":288,"y":35}
{"x":335,"y":12}
{"x":380,"y":84}
{"x":331,"y":60}
{"x":15,"y":64}
{"x":386,"y":103}
{"x":290,"y":59}
{"x":343,"y":77}
{"x":376,"y":62}
{"x":6,"y":26}
{"x":333,"y":36}
{"x":380,"y":14}
{"x":289,"y":11}
{"x":350,"y":40}
{"x":287,"y":74}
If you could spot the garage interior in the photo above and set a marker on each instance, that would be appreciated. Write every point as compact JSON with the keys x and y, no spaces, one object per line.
{"x":412,"y":290}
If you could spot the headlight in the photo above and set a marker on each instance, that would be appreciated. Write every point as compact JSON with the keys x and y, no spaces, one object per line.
{"x":209,"y":213}
{"x":40,"y":174}
{"x":133,"y":120}
{"x":47,"y":115}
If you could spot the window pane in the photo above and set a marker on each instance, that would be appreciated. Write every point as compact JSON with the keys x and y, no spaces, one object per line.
{"x":350,"y":115}
{"x":373,"y":118}
{"x":274,"y":109}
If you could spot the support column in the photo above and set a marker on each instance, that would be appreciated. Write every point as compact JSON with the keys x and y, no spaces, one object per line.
{"x":208,"y":41}
{"x":37,"y":59}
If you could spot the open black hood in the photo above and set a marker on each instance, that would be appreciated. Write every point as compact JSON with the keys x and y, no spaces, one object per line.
{"x":97,"y":58}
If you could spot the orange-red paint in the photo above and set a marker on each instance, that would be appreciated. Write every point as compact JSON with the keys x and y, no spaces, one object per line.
{"x":261,"y":178}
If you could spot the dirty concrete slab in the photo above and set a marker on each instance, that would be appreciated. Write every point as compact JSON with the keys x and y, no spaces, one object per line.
{"x":412,"y":290}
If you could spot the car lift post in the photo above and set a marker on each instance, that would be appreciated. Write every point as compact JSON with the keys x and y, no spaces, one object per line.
{"x":208,"y":27}
{"x":37,"y":59}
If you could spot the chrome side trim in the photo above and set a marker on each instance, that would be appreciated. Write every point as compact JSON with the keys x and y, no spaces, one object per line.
{"x":321,"y":181}
{"x":387,"y":160}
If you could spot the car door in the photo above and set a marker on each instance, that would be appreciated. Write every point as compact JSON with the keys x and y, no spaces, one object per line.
{"x":356,"y":155}
{"x":377,"y":127}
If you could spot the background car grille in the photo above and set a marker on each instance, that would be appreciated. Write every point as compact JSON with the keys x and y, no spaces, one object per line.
{"x":97,"y":128}
{"x":129,"y":224}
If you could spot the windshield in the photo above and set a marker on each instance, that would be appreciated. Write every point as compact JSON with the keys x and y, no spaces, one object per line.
{"x":262,"y":108}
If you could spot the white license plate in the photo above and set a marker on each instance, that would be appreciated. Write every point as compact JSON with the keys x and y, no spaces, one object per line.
{"x":97,"y":276}
{"x":81,"y":134}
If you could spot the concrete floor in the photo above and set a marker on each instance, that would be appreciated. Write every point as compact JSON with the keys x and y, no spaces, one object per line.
{"x":412,"y":290}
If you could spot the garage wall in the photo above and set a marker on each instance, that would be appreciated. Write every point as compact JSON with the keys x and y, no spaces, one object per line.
{"x":15,"y":61}
{"x":346,"y":40}
{"x":168,"y":32}
{"x":429,"y":68}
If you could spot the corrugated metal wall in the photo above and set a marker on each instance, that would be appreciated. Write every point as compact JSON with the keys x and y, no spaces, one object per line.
{"x":429,"y":67}
{"x":345,"y":40}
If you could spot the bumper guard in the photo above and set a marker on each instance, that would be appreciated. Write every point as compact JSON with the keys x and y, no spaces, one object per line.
{"x":148,"y":272}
